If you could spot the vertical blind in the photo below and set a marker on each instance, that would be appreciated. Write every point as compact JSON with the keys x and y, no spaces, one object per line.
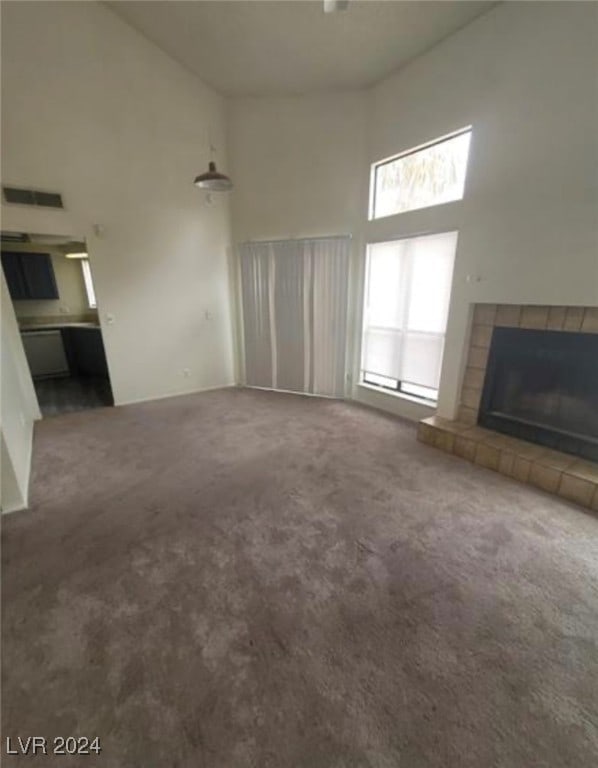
{"x":294,"y":295}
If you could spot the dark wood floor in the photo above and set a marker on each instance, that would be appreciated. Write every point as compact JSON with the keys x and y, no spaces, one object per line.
{"x":72,"y":393}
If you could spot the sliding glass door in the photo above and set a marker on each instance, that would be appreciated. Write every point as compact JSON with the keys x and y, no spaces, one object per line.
{"x":294,"y":296}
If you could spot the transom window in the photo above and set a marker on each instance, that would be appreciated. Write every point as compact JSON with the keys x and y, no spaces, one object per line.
{"x":421,"y":177}
{"x":406,"y":302}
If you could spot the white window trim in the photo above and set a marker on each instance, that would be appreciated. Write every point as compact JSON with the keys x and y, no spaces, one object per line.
{"x":432,"y":403}
{"x":88,"y":281}
{"x":425,"y":401}
{"x":405,"y":153}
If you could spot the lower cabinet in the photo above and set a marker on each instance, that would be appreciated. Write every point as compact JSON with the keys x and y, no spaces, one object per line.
{"x":45,"y":353}
{"x":85,"y":351}
{"x":64,"y":351}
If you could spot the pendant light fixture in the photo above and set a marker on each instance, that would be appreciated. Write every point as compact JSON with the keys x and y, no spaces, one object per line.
{"x":212,"y":180}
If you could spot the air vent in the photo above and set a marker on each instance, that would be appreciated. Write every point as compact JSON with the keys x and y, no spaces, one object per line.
{"x":15,"y":237}
{"x":32,"y":197}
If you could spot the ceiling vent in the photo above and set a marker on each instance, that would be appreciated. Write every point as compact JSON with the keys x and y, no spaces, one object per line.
{"x":15,"y":237}
{"x":32,"y":197}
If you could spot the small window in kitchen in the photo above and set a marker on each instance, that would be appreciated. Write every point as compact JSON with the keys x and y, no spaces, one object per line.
{"x":422,"y":177}
{"x":87,"y":279}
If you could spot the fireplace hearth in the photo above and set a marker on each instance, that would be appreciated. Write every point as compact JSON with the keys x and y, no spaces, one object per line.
{"x":528,"y":406}
{"x":542,"y":386}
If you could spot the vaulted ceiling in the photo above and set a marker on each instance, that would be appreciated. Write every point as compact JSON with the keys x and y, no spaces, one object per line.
{"x":280,"y":47}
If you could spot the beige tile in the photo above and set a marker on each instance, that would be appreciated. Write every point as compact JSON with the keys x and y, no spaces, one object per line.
{"x":457,"y":427}
{"x":444,"y":440}
{"x":556,"y":318}
{"x":436,"y":421}
{"x":471,"y":397}
{"x":492,"y":437}
{"x":478,"y":357}
{"x":474,"y":377}
{"x":556,"y":460}
{"x":590,"y":320}
{"x":508,"y":315}
{"x":586,"y":470}
{"x":425,"y":434}
{"x":545,"y":477}
{"x":484,"y":314}
{"x":534,"y":317}
{"x":479,"y":434}
{"x":487,"y":456}
{"x":481,"y":336}
{"x":445,"y":424}
{"x":521,"y":469}
{"x":510,"y":443}
{"x":529,"y":451}
{"x":468,"y":415}
{"x":574,"y":489}
{"x":461,"y":426}
{"x":573,"y":319}
{"x":505,"y":465}
{"x":464,"y":447}
{"x":496,"y":439}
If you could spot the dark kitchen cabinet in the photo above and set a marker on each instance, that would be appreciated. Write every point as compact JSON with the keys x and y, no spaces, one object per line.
{"x":29,"y":275}
{"x":15,"y":279}
{"x":85,"y":351}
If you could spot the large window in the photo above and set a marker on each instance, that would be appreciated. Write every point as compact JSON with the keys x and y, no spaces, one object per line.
{"x":429,"y":175}
{"x":407,"y":291}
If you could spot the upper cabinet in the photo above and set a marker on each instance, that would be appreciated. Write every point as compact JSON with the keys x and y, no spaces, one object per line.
{"x":29,"y":275}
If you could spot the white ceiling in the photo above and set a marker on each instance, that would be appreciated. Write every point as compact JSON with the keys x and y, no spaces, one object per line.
{"x":280,"y":47}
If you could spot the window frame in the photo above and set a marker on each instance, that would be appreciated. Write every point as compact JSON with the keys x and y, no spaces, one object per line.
{"x":407,"y":153}
{"x":398,"y":388}
{"x":90,"y":291}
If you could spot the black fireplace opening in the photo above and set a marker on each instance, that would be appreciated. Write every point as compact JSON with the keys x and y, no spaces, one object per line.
{"x":542,"y":386}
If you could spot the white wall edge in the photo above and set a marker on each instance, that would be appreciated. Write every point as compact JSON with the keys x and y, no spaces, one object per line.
{"x":24,"y":503}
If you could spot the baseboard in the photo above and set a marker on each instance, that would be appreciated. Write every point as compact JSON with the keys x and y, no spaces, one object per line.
{"x":138,"y":400}
{"x":291,"y":392}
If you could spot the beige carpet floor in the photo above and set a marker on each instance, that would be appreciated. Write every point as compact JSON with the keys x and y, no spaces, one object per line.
{"x":247,"y":579}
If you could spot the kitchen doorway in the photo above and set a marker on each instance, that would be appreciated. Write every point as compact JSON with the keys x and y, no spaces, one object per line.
{"x":50,"y":282}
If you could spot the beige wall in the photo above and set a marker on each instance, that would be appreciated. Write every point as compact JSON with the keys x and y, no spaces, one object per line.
{"x":72,"y":299}
{"x":93,"y":110}
{"x":296,"y":165}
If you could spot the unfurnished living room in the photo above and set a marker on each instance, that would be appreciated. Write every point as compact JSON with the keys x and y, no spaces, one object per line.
{"x":299,"y":384}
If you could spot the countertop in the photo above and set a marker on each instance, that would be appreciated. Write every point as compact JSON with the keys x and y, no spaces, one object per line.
{"x":57,"y":326}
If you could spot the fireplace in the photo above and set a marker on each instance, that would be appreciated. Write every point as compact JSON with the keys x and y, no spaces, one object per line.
{"x":542,"y":386}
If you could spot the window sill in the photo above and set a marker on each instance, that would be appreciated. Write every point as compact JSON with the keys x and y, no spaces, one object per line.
{"x":432,"y":404}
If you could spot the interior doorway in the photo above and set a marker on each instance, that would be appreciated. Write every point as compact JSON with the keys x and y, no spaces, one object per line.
{"x":50,"y":282}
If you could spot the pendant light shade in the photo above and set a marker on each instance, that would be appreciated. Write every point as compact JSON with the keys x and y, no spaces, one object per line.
{"x":212,"y":180}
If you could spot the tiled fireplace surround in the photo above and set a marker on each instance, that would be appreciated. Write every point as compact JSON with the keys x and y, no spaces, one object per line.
{"x":558,"y":473}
